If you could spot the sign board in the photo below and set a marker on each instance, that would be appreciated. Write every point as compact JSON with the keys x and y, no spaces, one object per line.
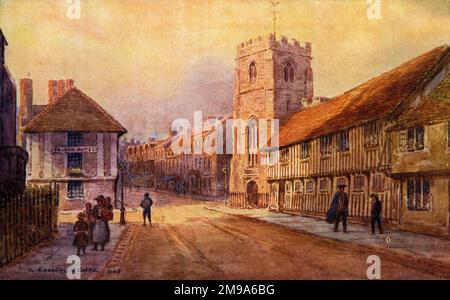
{"x":76,"y":149}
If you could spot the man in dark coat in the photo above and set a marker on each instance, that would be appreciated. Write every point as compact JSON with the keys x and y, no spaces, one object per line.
{"x":375,"y":214}
{"x":146,"y":205}
{"x":340,"y":201}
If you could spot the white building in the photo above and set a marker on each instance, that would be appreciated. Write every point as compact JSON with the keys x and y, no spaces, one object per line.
{"x":73,"y":141}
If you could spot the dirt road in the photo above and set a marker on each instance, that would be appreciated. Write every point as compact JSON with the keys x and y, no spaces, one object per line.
{"x":190,"y":241}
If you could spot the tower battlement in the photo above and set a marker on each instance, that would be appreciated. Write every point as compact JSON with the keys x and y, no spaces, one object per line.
{"x":270,"y":41}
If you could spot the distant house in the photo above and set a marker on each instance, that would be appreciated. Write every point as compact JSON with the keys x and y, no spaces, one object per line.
{"x":72,"y":141}
{"x":12,"y":158}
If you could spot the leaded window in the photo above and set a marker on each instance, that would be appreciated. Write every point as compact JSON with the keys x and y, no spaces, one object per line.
{"x":342,"y":141}
{"x":75,"y":189}
{"x":419,"y":193}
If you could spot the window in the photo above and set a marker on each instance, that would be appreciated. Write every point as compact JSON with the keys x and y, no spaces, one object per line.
{"x":289,"y":72}
{"x":284,"y":155}
{"x":298,"y":187}
{"x":75,"y":189}
{"x":74,"y":160}
{"x":371,"y":134}
{"x":274,"y":188}
{"x":412,"y":139}
{"x":358,"y":183}
{"x":342,"y":141}
{"x":378,"y":183}
{"x":304,"y":150}
{"x":74,"y":139}
{"x":252,"y":142}
{"x":252,"y":72}
{"x":309,"y":186}
{"x":323,"y":185}
{"x":325,"y":145}
{"x":288,"y":187}
{"x":419,"y":193}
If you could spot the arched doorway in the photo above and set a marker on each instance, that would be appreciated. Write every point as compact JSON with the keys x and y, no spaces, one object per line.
{"x":252,"y":193}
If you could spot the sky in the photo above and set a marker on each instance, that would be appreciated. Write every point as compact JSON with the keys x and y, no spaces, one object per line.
{"x":149,"y":62}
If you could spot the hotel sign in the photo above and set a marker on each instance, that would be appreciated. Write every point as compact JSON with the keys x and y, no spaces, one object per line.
{"x":76,"y":149}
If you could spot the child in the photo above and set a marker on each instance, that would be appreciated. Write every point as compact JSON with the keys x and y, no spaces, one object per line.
{"x":81,"y":229}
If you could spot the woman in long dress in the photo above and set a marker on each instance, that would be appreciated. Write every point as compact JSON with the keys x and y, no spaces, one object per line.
{"x":100,"y":233}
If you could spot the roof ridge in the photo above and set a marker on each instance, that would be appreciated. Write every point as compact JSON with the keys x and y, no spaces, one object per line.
{"x":67,"y":98}
{"x":100,"y":108}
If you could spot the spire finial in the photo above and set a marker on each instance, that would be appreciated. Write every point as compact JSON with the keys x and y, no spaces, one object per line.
{"x":274,"y":3}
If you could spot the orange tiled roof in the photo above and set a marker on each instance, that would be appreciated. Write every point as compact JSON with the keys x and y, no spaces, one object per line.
{"x":74,"y":111}
{"x":375,"y":99}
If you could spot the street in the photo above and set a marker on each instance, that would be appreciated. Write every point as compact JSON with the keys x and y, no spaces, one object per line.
{"x":190,"y":240}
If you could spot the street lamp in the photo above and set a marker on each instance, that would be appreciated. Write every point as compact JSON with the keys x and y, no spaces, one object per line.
{"x":122,"y":167}
{"x":225,"y":173}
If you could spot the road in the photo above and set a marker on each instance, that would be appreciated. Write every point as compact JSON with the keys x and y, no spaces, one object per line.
{"x":190,"y":241}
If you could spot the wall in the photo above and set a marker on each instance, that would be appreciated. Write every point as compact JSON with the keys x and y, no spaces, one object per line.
{"x":435,"y":156}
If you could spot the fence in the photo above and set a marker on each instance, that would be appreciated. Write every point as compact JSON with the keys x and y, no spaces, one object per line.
{"x":242,"y":200}
{"x":27,"y":219}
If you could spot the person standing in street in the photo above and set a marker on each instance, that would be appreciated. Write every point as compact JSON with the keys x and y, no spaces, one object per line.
{"x":340,"y":200}
{"x":375,"y":214}
{"x":146,"y":205}
{"x":99,"y":234}
{"x":108,"y":215}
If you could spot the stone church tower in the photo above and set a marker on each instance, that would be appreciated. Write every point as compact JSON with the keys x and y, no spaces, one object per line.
{"x":271,"y":79}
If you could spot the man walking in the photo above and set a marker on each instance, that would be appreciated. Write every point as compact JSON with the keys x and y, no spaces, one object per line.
{"x":375,"y":214}
{"x":146,"y":204}
{"x":340,"y":200}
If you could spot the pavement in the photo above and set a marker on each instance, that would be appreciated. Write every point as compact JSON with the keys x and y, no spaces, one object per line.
{"x":48,"y":261}
{"x":430,"y":251}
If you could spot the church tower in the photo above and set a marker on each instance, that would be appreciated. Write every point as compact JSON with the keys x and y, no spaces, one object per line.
{"x":271,"y":78}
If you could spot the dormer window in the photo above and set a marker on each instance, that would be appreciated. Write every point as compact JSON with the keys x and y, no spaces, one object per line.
{"x":252,"y":72}
{"x":412,"y":139}
{"x":289,"y":72}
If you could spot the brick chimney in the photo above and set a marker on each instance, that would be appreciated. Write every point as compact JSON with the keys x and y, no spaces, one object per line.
{"x":52,"y":90}
{"x":25,"y":106}
{"x":61,"y":87}
{"x":70,"y":83}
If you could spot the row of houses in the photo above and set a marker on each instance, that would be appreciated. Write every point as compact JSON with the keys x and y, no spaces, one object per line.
{"x":154,"y":164}
{"x":389,"y":136}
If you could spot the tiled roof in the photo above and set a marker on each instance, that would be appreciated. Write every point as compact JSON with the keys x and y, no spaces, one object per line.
{"x":375,"y":99}
{"x":74,"y":111}
{"x":433,"y":108}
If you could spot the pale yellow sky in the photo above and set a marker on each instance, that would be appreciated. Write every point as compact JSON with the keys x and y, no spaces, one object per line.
{"x":150,"y":61}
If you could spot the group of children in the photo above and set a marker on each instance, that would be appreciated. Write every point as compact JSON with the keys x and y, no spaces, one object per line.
{"x":92,"y":225}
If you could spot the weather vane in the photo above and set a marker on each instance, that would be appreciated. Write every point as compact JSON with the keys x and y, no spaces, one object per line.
{"x":274,"y":3}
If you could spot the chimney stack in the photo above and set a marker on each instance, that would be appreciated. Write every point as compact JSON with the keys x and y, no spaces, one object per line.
{"x":52,"y":90}
{"x":70,"y":83}
{"x":61,"y":87}
{"x":25,"y":105}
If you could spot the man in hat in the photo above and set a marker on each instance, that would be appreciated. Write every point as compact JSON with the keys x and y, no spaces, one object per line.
{"x":375,"y":213}
{"x":340,"y":200}
{"x":146,"y":205}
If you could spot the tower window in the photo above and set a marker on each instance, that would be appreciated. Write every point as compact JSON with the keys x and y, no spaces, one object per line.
{"x":252,"y":72}
{"x":289,"y":72}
